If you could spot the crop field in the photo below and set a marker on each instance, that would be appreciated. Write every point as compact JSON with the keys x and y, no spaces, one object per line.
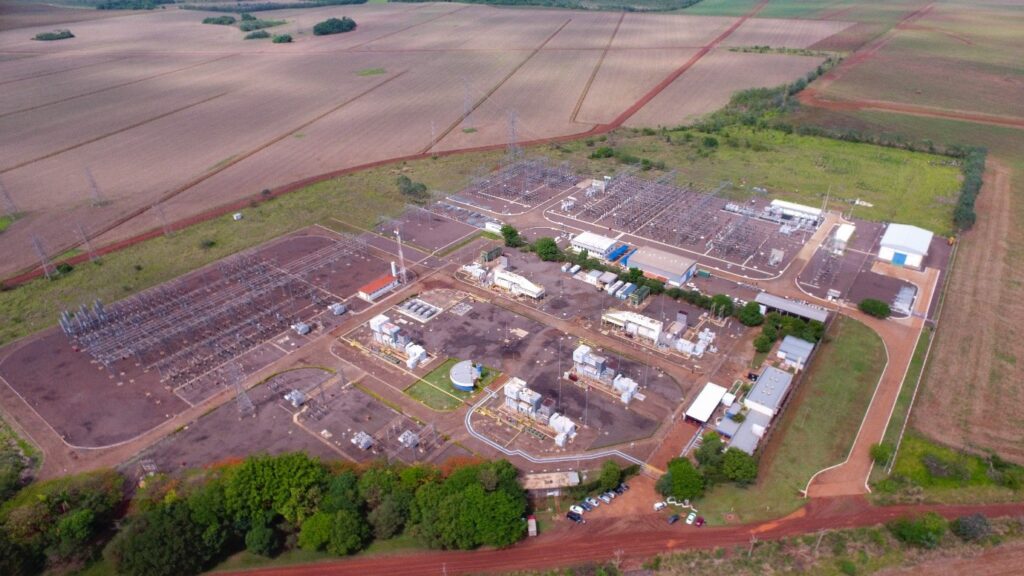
{"x":789,"y":33}
{"x":708,"y":86}
{"x":979,"y":47}
{"x":156,"y":109}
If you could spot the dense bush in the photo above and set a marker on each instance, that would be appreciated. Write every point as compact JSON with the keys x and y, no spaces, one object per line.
{"x":511,"y":236}
{"x":55,"y":35}
{"x":971,"y":528}
{"x":873,"y":307}
{"x":282,"y":39}
{"x":881,"y":453}
{"x":416,"y":192}
{"x":334,"y":26}
{"x":750,"y":314}
{"x":739,"y":467}
{"x":220,"y":20}
{"x":973,"y":168}
{"x":254,"y":24}
{"x":925,"y":531}
{"x":546,"y":249}
{"x":257,"y":35}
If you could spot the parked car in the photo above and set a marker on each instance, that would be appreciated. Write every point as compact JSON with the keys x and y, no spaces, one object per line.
{"x":604,"y":498}
{"x":619,"y":490}
{"x":585,"y":505}
{"x":593,"y":502}
{"x":575,"y":518}
{"x":577,"y":509}
{"x":610,"y":494}
{"x":673,"y":519}
{"x":699,"y":521}
{"x":658,"y":506}
{"x":691,"y":517}
{"x":624,"y":486}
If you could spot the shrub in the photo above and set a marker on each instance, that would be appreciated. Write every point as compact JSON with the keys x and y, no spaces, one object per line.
{"x":254,"y":24}
{"x":873,"y":307}
{"x":334,"y":26}
{"x":262,"y":539}
{"x":681,"y":481}
{"x":925,"y":531}
{"x":611,"y":475}
{"x":282,"y":39}
{"x":220,"y":20}
{"x":546,"y":249}
{"x":55,"y":35}
{"x":257,"y":35}
{"x":414,"y":191}
{"x":246,"y":17}
{"x":970,"y":528}
{"x":763,"y":343}
{"x":750,"y":314}
{"x":64,"y":268}
{"x":881,"y":453}
{"x":602,"y":152}
{"x":739,"y":467}
{"x":511,"y":236}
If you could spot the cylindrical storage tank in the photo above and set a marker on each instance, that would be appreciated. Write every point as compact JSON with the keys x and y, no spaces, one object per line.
{"x":463,"y":376}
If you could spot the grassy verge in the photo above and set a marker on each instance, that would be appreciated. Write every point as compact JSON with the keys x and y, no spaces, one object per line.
{"x":929,"y":472}
{"x":5,"y":222}
{"x":815,"y":431}
{"x":371,"y":72}
{"x":435,"y":389}
{"x":902,"y":409}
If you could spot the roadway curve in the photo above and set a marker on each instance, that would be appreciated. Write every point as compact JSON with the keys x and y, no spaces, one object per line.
{"x":630,"y":540}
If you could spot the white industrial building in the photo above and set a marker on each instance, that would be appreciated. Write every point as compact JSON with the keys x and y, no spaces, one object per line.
{"x":625,"y":387}
{"x":635,"y":324}
{"x":794,"y":352}
{"x":707,"y":401}
{"x":379,"y":287}
{"x":841,"y":237}
{"x":670,"y":268}
{"x":596,"y":245}
{"x":905,"y":245}
{"x":794,"y":211}
{"x":769,"y":392}
{"x":517,"y":285}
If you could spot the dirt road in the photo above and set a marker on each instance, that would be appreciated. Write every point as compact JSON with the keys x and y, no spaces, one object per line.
{"x":628,"y":540}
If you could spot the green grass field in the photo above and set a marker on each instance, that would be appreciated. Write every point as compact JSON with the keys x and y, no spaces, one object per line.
{"x":908,"y":187}
{"x":902,"y":408}
{"x":435,"y":389}
{"x":814,"y":434}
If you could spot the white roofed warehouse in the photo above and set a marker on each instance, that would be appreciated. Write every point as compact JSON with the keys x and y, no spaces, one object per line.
{"x":670,"y":268}
{"x":596,"y":245}
{"x":905,"y":245}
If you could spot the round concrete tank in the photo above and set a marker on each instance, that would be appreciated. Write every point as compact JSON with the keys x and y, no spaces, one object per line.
{"x":464,"y":376}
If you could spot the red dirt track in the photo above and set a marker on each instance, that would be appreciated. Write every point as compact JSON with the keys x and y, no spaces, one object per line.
{"x":635,"y":538}
{"x":235,"y":205}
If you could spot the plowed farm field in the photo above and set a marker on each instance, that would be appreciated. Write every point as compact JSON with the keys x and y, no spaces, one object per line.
{"x":709,"y":84}
{"x":153,"y":117}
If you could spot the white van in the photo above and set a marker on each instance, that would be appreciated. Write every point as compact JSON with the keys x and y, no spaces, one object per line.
{"x":659,"y":506}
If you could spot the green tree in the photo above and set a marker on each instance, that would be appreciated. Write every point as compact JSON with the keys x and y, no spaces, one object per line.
{"x":18,"y":559}
{"x":262,"y":538}
{"x":709,"y":457}
{"x":547,"y":249}
{"x":290,"y":485}
{"x":511,"y":236}
{"x":163,"y":542}
{"x":873,"y":307}
{"x":348,"y":534}
{"x":739,"y":467}
{"x":334,"y":26}
{"x":763,"y":343}
{"x":342,"y":493}
{"x":722,"y":304}
{"x":582,"y":256}
{"x":610,"y":477}
{"x":681,"y":481}
{"x":209,"y":511}
{"x":74,"y":530}
{"x":750,"y":314}
{"x":282,"y":39}
{"x":881,"y":453}
{"x":387,"y":518}
{"x":315,"y":532}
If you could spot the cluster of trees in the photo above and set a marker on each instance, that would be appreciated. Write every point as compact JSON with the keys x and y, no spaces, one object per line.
{"x":282,"y":39}
{"x":511,"y":237}
{"x":874,"y":307}
{"x":55,"y":35}
{"x":626,"y":158}
{"x":716,"y":465}
{"x":645,"y":6}
{"x":334,"y":26}
{"x":264,"y":6}
{"x":58,"y":523}
{"x":776,"y":326}
{"x":132,"y":4}
{"x":257,"y":35}
{"x":416,"y":192}
{"x":973,"y":167}
{"x":266,"y":504}
{"x":220,"y":20}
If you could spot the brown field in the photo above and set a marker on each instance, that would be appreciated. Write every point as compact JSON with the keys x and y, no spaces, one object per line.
{"x":784,"y":33}
{"x":162,"y":109}
{"x":25,"y":14}
{"x":708,"y":86}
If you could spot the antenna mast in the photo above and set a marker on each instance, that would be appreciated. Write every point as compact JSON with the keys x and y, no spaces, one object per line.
{"x":401,"y":259}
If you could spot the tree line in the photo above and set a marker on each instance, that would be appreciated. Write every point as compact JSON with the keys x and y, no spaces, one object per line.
{"x":639,"y":6}
{"x":264,"y":6}
{"x":266,"y":504}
